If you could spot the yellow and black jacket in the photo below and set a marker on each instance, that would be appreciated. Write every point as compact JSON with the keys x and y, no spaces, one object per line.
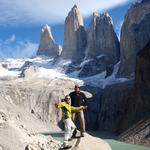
{"x":67,"y":110}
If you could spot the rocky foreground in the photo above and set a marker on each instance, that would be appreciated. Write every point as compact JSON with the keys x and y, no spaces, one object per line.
{"x":27,"y":110}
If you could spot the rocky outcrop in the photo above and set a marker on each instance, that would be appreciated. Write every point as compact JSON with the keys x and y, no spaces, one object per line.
{"x":74,"y":36}
{"x":135,"y":33}
{"x":28,"y":113}
{"x":19,"y":129}
{"x":113,"y":106}
{"x":95,"y":66}
{"x":84,"y":144}
{"x":139,"y":105}
{"x":29,"y":72}
{"x":142,"y":81}
{"x":40,"y":101}
{"x":47,"y":45}
{"x":102,"y":46}
{"x":101,"y":38}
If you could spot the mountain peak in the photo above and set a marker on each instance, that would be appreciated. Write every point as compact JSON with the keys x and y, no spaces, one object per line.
{"x":75,"y":6}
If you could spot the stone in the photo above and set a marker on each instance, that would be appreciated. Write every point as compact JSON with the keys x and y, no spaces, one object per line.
{"x":113,"y":105}
{"x":94,"y":66}
{"x":47,"y":45}
{"x":102,"y":50}
{"x":74,"y":36}
{"x":135,"y":34}
{"x":29,"y":72}
{"x":102,"y":39}
{"x":138,"y":106}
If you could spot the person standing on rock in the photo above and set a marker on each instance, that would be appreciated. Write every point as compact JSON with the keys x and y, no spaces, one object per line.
{"x":67,"y":111}
{"x":78,"y":99}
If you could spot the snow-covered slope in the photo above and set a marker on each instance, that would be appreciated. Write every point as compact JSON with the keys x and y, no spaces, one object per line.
{"x":47,"y":69}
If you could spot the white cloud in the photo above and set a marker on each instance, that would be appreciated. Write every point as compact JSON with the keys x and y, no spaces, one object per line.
{"x":17,"y":49}
{"x":48,"y":11}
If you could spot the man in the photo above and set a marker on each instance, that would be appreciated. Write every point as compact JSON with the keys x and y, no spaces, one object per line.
{"x":78,"y":99}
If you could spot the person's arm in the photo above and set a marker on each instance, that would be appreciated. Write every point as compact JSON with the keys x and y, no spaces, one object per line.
{"x":58,"y":106}
{"x":85,"y":99}
{"x":77,"y":109}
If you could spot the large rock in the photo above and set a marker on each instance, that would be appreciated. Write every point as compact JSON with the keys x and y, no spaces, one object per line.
{"x":102,"y":46}
{"x":29,"y":72}
{"x":113,"y":106}
{"x":19,"y":127}
{"x":74,"y":36}
{"x":95,"y":66}
{"x":101,"y":38}
{"x":135,"y":33}
{"x":94,"y":144}
{"x":139,"y":105}
{"x":47,"y":44}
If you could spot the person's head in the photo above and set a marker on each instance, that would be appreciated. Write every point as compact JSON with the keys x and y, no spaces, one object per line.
{"x":77,"y":88}
{"x":67,"y":99}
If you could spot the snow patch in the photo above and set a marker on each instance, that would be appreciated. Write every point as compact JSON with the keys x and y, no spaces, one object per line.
{"x":48,"y":70}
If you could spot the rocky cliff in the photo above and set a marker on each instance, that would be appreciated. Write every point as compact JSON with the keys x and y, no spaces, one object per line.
{"x":113,"y":106}
{"x":135,"y":33}
{"x":74,"y":36}
{"x":138,"y":106}
{"x":101,"y":38}
{"x":20,"y":129}
{"x":28,"y":115}
{"x":47,"y":45}
{"x":102,"y":45}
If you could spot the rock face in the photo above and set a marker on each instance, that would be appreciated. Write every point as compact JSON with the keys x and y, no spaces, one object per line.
{"x":142,"y":81}
{"x":101,"y":38}
{"x":139,"y":105}
{"x":94,"y":144}
{"x":28,"y":113}
{"x":29,"y":72}
{"x":21,"y":130}
{"x":113,"y":104}
{"x":47,"y":44}
{"x":40,"y":101}
{"x":74,"y":36}
{"x":103,"y":47}
{"x":135,"y":33}
{"x":96,"y":66}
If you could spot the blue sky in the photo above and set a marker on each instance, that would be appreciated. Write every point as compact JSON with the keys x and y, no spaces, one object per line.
{"x":21,"y":21}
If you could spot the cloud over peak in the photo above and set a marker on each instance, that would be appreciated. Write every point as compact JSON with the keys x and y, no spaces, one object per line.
{"x":47,"y":11}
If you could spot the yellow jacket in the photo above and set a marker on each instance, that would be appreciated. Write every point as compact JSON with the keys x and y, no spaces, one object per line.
{"x":67,"y":109}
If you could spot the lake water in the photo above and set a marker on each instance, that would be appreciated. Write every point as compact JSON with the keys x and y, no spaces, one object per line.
{"x":110,"y":138}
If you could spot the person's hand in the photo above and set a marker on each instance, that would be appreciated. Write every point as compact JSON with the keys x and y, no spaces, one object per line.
{"x":84,"y":107}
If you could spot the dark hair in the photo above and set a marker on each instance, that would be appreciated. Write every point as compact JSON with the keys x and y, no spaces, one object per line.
{"x":62,"y":100}
{"x":77,"y":86}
